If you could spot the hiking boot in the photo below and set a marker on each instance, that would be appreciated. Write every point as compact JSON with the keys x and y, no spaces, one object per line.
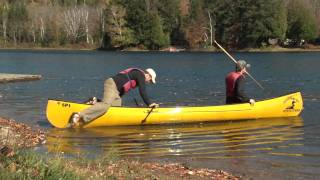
{"x":92,"y":100}
{"x":75,"y":121}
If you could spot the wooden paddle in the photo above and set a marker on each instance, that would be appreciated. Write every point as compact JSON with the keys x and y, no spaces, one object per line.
{"x":236,"y":63}
{"x":145,"y":119}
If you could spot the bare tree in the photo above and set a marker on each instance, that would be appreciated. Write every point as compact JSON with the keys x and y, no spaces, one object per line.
{"x":116,"y":28}
{"x":75,"y":22}
{"x":211,"y":30}
{"x":87,"y":27}
{"x":117,"y":13}
{"x":4,"y":18}
{"x":37,"y":15}
{"x":102,"y":24}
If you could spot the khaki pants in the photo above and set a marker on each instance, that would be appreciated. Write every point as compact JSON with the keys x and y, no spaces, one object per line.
{"x":110,"y":98}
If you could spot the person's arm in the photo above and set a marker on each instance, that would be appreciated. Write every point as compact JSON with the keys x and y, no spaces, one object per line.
{"x":140,"y":79}
{"x":239,"y":88}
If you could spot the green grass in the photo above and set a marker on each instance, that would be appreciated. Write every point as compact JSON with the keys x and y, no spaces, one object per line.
{"x":27,"y":164}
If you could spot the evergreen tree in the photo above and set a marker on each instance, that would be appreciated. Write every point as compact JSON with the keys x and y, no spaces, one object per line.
{"x":138,"y":20}
{"x":279,"y":24}
{"x":143,"y":18}
{"x":18,"y":21}
{"x":248,"y":23}
{"x":261,"y":20}
{"x":120,"y":35}
{"x":301,"y":22}
{"x":170,"y":14}
{"x":158,"y":38}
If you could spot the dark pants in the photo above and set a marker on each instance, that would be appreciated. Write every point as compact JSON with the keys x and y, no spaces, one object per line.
{"x":233,"y":100}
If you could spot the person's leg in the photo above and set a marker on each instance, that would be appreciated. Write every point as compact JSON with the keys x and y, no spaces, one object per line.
{"x":117,"y":102}
{"x":94,"y":111}
{"x":110,"y":94}
{"x":117,"y":99}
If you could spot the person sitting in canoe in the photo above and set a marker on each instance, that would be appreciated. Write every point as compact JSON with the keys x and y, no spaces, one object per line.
{"x":235,"y":84}
{"x":114,"y":88}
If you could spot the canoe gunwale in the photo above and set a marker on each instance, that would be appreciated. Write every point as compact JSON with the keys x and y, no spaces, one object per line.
{"x":266,"y":99}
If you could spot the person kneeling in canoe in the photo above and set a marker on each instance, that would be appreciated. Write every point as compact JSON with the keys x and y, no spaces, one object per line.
{"x":235,"y":85}
{"x":114,"y":88}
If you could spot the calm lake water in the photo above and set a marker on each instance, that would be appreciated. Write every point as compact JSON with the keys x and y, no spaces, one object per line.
{"x":282,"y":148}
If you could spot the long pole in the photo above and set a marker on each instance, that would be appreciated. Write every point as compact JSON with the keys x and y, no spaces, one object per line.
{"x":236,"y":63}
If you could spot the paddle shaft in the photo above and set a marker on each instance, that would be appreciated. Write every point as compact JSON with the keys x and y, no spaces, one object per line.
{"x":145,"y":119}
{"x":236,"y":63}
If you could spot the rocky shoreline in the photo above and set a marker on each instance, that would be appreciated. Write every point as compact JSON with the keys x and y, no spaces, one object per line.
{"x":16,"y":136}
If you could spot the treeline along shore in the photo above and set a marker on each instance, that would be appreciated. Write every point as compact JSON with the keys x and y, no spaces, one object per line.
{"x":159,"y":24}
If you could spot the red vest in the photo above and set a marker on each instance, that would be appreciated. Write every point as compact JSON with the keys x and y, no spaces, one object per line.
{"x":131,"y":84}
{"x":231,"y":82}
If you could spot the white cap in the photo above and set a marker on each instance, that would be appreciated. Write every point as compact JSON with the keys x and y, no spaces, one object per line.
{"x":152,"y":74}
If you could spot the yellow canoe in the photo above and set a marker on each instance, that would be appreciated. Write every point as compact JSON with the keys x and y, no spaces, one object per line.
{"x":59,"y":112}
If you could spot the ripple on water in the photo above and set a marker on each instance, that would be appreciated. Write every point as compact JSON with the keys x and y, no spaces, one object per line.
{"x":207,"y":140}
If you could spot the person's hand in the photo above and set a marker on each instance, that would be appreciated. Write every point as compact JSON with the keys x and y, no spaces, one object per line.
{"x":252,"y":101}
{"x":154,"y":105}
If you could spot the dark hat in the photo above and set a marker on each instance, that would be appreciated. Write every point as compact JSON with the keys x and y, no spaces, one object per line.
{"x":241,"y":64}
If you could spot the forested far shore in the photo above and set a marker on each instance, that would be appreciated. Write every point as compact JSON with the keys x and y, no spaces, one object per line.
{"x":159,"y":24}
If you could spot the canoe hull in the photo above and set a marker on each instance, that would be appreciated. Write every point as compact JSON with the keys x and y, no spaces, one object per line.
{"x":59,"y":112}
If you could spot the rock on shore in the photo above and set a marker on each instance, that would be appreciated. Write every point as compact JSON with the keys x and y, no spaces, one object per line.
{"x":4,"y":78}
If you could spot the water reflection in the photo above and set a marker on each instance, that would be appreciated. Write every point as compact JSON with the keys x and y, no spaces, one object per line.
{"x":208,"y":140}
